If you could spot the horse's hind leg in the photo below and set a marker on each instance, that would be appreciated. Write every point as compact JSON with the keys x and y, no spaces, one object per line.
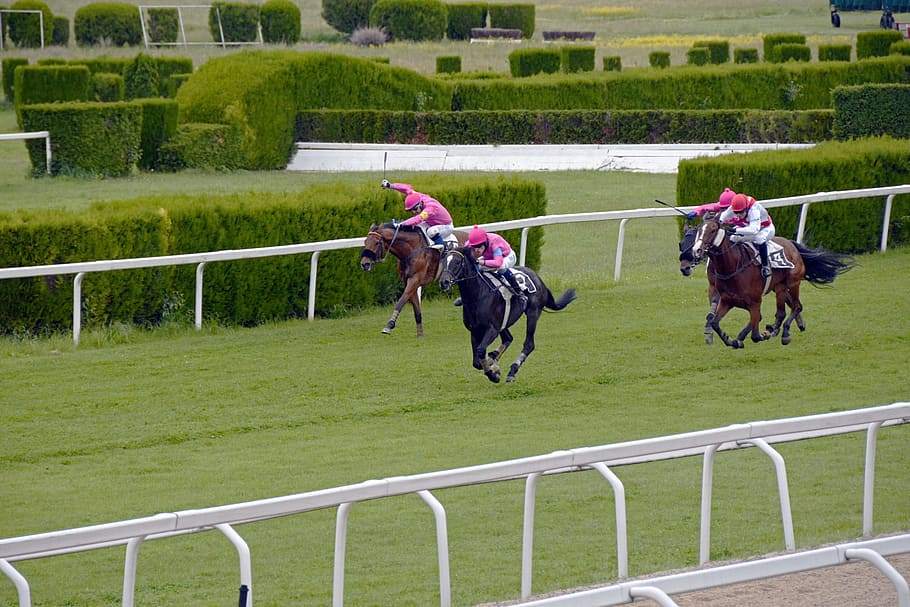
{"x":533,"y":317}
{"x":782,"y":297}
{"x":722,"y":309}
{"x":505,"y":341}
{"x":796,"y":309}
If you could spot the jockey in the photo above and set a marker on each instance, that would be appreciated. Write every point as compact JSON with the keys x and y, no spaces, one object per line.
{"x":753,"y":224}
{"x":493,"y":254}
{"x":723,"y":201}
{"x":427,"y":210}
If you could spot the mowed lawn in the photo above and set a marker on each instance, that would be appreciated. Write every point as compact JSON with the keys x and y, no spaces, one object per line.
{"x":134,"y":422}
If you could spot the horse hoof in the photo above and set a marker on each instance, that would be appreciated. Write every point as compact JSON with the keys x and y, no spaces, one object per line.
{"x":493,"y":377}
{"x":785,"y":340}
{"x":737,"y":344}
{"x":709,"y":339}
{"x":510,"y":379}
{"x":386,"y":331}
{"x":493,"y":355}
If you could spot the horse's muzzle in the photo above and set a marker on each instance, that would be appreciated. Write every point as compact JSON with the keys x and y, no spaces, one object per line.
{"x":445,"y":284}
{"x":686,"y":269}
{"x":366,"y":265}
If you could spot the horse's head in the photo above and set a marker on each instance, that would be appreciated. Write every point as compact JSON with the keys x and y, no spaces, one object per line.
{"x":456,"y":264}
{"x":709,"y":236}
{"x":686,"y":258}
{"x":374,"y":249}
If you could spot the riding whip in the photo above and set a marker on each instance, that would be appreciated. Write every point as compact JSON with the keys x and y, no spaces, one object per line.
{"x":677,"y":209}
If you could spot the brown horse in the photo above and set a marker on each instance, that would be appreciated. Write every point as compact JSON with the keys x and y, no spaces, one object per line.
{"x":686,"y":263}
{"x":738,"y":281}
{"x":418,"y":263}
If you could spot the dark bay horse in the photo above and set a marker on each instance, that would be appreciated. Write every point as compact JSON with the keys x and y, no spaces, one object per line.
{"x":738,"y":281}
{"x":686,"y":263}
{"x":418,"y":263}
{"x":486,"y":314}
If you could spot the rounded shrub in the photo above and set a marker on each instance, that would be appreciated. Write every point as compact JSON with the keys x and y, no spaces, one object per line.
{"x":513,"y":16}
{"x":346,"y":16}
{"x":24,"y":29}
{"x":236,"y":21}
{"x":900,"y":48}
{"x":61,"y":35}
{"x":448,"y":64}
{"x":163,"y":24}
{"x":659,"y":59}
{"x":698,"y":55}
{"x":280,"y":20}
{"x":463,"y":17}
{"x":612,"y":63}
{"x":114,"y":23}
{"x":745,"y":55}
{"x":529,"y":61}
{"x":410,"y":19}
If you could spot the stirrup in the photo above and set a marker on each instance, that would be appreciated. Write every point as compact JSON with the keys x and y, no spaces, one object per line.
{"x":766,"y":271}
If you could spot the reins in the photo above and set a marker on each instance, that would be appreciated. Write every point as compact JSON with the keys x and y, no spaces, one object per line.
{"x":382,"y":243}
{"x":743,"y":263}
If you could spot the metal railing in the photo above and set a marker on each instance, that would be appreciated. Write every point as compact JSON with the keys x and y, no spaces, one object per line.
{"x":26,"y":11}
{"x":315,"y":248}
{"x":707,"y":443}
{"x":33,"y":135}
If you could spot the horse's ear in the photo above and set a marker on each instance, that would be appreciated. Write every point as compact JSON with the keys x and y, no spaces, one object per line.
{"x":373,"y":226}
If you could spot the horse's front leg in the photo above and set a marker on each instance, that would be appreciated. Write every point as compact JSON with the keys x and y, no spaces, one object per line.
{"x":505,"y":340}
{"x":410,"y":289}
{"x":722,"y":309}
{"x":781,"y":297}
{"x":528,"y":347}
{"x":712,"y":310}
{"x":481,"y":359}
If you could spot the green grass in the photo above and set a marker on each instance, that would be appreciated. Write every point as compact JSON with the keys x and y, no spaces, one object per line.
{"x":135,"y":422}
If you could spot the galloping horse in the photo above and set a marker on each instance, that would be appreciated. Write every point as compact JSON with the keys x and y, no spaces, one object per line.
{"x":487,"y":314}
{"x":739,"y":284}
{"x":418,"y":263}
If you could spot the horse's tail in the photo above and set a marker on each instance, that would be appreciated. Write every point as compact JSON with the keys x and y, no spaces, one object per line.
{"x":562,"y":302}
{"x":822,"y":267}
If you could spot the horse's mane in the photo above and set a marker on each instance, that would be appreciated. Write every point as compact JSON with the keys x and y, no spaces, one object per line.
{"x":401,"y":227}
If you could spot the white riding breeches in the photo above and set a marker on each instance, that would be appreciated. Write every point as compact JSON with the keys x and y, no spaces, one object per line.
{"x":444,"y":230}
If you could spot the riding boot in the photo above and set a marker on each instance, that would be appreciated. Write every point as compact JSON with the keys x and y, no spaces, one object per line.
{"x":522,"y":298}
{"x":765,"y":266}
{"x":439,"y":243}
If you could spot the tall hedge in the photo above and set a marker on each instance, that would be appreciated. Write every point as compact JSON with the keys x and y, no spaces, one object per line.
{"x":61,"y":35}
{"x":771,"y":41}
{"x":163,"y":25}
{"x":159,"y":124}
{"x":24,"y":29}
{"x":525,"y":62}
{"x":280,"y":21}
{"x":513,"y":16}
{"x":872,"y":109}
{"x":463,"y":16}
{"x":236,"y":21}
{"x":8,"y":66}
{"x":876,"y":43}
{"x":115,"y":23}
{"x":410,"y":19}
{"x":141,"y":77}
{"x":49,"y":83}
{"x":346,"y":16}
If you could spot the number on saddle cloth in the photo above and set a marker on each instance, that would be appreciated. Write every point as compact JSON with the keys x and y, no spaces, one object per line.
{"x":777,"y":257}
{"x":524,"y":281}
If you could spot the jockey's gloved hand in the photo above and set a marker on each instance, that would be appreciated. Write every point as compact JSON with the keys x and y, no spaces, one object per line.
{"x":730,"y":230}
{"x":385,"y":183}
{"x":691,"y":215}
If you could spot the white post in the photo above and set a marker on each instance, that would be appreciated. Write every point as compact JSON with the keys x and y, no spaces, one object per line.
{"x":77,"y":307}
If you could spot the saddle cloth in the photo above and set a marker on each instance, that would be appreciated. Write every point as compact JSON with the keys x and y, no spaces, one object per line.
{"x":776,"y":255}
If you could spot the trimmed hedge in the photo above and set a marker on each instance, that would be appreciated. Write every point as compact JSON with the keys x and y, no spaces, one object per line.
{"x":718,"y":50}
{"x":659,"y":59}
{"x":745,"y":55}
{"x":24,"y":29}
{"x":159,"y":125}
{"x":577,"y":59}
{"x":201,"y":146}
{"x":612,"y":63}
{"x":870,"y":110}
{"x":564,"y":127}
{"x":463,"y":17}
{"x":448,"y":64}
{"x":238,"y":22}
{"x":238,"y":293}
{"x":410,"y":19}
{"x":163,"y":25}
{"x":526,"y":62}
{"x":792,"y":52}
{"x":88,"y":138}
{"x":61,"y":34}
{"x":834,"y":52}
{"x":8,"y":66}
{"x":849,"y":226}
{"x":698,"y":55}
{"x":513,"y":16}
{"x":877,"y":43}
{"x":346,"y":16}
{"x":280,"y":22}
{"x":106,"y":87}
{"x":772,"y":41}
{"x":47,"y":83}
{"x":115,"y":23}
{"x":141,"y":77}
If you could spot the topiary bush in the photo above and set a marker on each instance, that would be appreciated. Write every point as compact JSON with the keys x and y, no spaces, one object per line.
{"x":513,"y":16}
{"x":236,"y":21}
{"x":280,"y":20}
{"x":50,"y":83}
{"x":449,"y":64}
{"x":877,"y":43}
{"x":106,"y":87}
{"x":792,"y":52}
{"x":900,"y":48}
{"x":698,"y":55}
{"x":410,"y":19}
{"x":834,"y":52}
{"x":871,"y":110}
{"x":718,"y":50}
{"x":346,"y":16}
{"x":61,"y":35}
{"x":659,"y":59}
{"x":612,"y":63}
{"x":159,"y":124}
{"x":525,"y":62}
{"x":163,"y":25}
{"x":463,"y":17}
{"x":24,"y":28}
{"x":114,"y":23}
{"x":577,"y":59}
{"x":745,"y":55}
{"x":8,"y":67}
{"x":771,"y":41}
{"x":141,"y":77}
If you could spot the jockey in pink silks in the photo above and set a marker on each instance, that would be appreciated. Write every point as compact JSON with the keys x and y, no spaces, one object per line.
{"x":427,"y":210}
{"x":493,"y":254}
{"x":753,"y":224}
{"x":723,"y":201}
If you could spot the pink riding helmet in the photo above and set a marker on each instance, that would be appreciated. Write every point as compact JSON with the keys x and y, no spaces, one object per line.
{"x":726,"y":197}
{"x":477,"y":237}
{"x":411,"y":201}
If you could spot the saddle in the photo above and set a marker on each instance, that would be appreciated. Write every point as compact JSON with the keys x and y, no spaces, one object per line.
{"x":499,"y":282}
{"x":777,"y":257}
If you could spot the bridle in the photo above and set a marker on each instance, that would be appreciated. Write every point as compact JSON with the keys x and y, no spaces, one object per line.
{"x":382,"y":252}
{"x":715,"y":246}
{"x":463,"y":274}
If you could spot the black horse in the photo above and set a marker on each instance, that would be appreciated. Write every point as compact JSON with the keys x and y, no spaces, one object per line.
{"x":488,"y":313}
{"x":686,"y":262}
